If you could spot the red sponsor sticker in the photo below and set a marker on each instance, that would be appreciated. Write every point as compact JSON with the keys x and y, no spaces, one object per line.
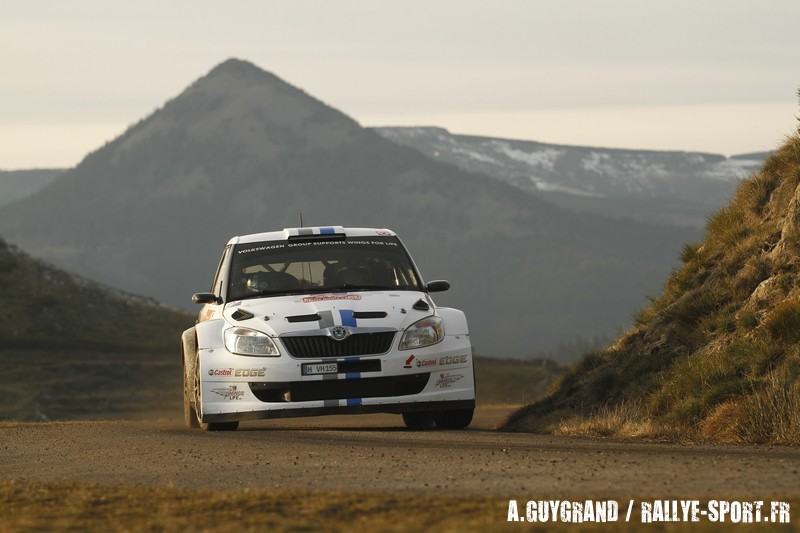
{"x":329,"y":297}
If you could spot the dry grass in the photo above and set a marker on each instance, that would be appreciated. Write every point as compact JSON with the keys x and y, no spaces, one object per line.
{"x":628,"y":420}
{"x":729,"y":226}
{"x":783,"y":323}
{"x":772,"y":414}
{"x":70,"y":507}
{"x":720,"y":425}
{"x":64,"y":507}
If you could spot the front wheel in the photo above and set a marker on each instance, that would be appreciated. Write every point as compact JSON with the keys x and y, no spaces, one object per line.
{"x":194,"y":410}
{"x":456,"y":419}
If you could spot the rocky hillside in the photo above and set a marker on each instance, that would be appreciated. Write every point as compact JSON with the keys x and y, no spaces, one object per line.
{"x":663,"y":187}
{"x":717,"y":355}
{"x":242,"y":151}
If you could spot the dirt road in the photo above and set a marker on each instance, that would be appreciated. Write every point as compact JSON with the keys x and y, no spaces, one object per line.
{"x":372,"y":453}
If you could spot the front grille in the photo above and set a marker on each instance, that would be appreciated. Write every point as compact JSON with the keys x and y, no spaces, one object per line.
{"x":340,"y":389}
{"x":316,"y":346}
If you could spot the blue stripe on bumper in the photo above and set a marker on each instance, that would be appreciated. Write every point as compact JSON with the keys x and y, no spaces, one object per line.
{"x":347,"y":317}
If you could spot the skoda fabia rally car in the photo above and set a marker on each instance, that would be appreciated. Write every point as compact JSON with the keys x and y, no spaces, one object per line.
{"x":327,"y":320}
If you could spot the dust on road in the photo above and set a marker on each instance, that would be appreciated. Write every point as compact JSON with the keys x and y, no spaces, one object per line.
{"x":374,"y":454}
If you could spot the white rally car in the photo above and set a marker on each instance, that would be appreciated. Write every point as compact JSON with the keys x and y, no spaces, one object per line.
{"x":326,"y":320}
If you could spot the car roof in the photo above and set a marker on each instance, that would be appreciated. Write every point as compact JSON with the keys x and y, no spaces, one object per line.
{"x":286,"y":233}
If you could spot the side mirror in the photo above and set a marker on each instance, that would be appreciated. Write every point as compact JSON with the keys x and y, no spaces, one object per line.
{"x":437,"y":286}
{"x":204,"y":298}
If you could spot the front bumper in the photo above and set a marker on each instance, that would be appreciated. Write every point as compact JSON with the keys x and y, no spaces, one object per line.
{"x":436,"y":378}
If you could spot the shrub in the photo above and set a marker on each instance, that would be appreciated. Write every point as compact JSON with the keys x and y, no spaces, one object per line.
{"x":755,"y":270}
{"x":727,"y":227}
{"x":786,"y":282}
{"x":754,"y":194}
{"x":783,"y":323}
{"x":646,"y":314}
{"x":694,"y":305}
{"x":747,"y":320}
{"x":772,"y":414}
{"x":690,"y":253}
{"x":720,"y":391}
{"x":688,"y":411}
{"x":696,"y":384}
{"x":722,"y":320}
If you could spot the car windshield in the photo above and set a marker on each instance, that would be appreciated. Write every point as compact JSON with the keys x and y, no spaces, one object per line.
{"x":274,"y":268}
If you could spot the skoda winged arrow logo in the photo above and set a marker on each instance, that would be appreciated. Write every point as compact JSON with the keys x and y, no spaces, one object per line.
{"x":339,"y":333}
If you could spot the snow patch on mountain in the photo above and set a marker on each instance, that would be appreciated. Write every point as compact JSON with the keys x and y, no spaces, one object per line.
{"x":733,"y":169}
{"x":554,"y":187}
{"x":478,"y":156}
{"x":544,"y":159}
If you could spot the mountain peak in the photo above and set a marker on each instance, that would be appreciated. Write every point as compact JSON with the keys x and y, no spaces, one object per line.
{"x":244,"y":108}
{"x":239,"y":68}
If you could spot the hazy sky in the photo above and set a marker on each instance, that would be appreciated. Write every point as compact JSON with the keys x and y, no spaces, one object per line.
{"x":700,"y":75}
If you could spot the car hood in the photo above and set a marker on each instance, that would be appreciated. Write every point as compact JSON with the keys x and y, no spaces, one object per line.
{"x":280,"y":315}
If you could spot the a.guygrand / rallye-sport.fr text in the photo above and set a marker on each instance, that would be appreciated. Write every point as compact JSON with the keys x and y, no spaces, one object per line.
{"x":326,"y":320}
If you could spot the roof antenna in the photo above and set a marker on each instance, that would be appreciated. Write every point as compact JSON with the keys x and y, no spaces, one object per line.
{"x":301,"y":219}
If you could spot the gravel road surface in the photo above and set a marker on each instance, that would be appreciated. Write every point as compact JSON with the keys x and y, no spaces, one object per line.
{"x":373,"y":453}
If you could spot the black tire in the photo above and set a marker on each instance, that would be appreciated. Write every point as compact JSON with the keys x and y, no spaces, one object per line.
{"x":456,"y":419}
{"x":418,"y":420}
{"x":197,"y":401}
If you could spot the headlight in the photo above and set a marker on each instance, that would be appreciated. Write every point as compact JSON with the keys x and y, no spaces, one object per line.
{"x":423,"y":333}
{"x":245,"y":341}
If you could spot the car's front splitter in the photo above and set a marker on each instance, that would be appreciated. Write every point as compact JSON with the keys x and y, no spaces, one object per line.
{"x":394,"y":408}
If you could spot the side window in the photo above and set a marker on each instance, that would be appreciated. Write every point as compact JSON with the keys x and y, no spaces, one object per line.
{"x":216,"y":286}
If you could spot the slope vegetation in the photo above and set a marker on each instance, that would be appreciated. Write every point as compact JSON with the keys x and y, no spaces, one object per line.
{"x":72,"y":348}
{"x":717,"y":355}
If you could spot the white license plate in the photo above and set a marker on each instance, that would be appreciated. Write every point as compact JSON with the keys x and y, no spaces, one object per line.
{"x":311,"y":369}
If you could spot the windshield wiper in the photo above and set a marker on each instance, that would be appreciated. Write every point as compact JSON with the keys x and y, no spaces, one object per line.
{"x":263,"y":294}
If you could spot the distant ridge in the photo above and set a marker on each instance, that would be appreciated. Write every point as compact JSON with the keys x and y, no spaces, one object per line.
{"x":670,"y":187}
{"x":18,"y":184}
